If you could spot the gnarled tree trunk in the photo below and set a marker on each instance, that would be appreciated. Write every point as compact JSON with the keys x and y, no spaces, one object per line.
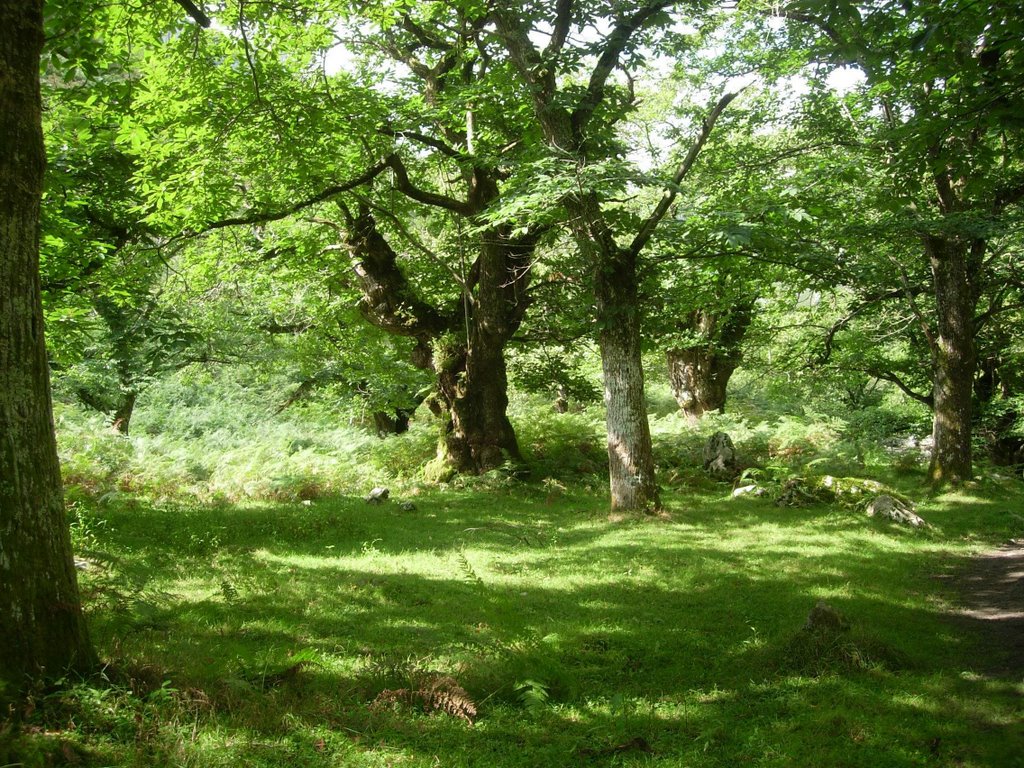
{"x":41,"y":627}
{"x":699,"y":375}
{"x":468,"y":340}
{"x":477,"y":435}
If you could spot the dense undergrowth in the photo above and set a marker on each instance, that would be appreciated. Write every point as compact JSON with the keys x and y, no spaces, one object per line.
{"x":253,"y":610}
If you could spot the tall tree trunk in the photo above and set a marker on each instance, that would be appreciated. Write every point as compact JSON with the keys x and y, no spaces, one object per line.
{"x":41,"y":628}
{"x":630,"y":452}
{"x":954,"y":364}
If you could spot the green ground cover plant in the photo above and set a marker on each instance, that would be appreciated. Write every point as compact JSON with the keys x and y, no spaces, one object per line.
{"x":508,"y":621}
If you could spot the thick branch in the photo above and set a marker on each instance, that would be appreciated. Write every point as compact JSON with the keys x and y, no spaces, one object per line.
{"x":563,"y":23}
{"x":614,"y":45}
{"x":428,"y":141}
{"x":889,"y":376}
{"x":197,"y":15}
{"x":422,"y":36}
{"x":389,"y":301}
{"x":421,"y":195}
{"x":672,"y":189}
{"x":526,"y":59}
{"x":418,"y":244}
{"x":263,"y":217}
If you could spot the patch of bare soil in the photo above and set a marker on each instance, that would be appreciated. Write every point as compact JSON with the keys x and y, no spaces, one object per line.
{"x":992,"y":598}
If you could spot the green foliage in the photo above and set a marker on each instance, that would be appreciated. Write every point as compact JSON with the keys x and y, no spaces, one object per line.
{"x":555,"y":371}
{"x":204,"y":436}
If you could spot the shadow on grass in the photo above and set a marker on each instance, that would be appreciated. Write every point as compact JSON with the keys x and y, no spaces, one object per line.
{"x":670,"y":636}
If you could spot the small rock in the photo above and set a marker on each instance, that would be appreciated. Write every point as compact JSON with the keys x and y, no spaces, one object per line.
{"x":378,"y":496}
{"x":407,"y":506}
{"x":893,"y":509}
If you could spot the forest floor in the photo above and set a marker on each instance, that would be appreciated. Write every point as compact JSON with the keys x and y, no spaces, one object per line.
{"x":992,"y":595}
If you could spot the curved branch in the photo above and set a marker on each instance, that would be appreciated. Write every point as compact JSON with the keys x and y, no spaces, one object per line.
{"x":410,"y":190}
{"x":928,"y":400}
{"x":428,"y":141}
{"x":263,"y":217}
{"x":389,"y":300}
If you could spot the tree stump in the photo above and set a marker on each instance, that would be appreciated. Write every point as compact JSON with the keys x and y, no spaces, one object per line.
{"x":720,"y":456}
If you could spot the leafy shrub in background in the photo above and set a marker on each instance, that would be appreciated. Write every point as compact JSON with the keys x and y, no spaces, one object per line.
{"x":212,"y":438}
{"x":219,"y":436}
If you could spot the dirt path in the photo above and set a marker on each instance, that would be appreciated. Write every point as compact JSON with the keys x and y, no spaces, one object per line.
{"x":992,"y":596}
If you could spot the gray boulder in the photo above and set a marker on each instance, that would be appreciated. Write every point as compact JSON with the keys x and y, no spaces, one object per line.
{"x":893,"y":509}
{"x":378,"y":496}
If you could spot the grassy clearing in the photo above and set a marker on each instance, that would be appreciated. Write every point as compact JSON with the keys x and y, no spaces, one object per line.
{"x":341,"y":634}
{"x":253,"y":610}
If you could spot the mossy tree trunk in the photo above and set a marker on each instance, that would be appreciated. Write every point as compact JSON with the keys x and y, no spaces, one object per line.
{"x":467,"y":341}
{"x":41,"y":628}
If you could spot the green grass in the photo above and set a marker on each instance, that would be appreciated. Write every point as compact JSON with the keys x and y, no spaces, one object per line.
{"x":264,"y":634}
{"x":252,"y":610}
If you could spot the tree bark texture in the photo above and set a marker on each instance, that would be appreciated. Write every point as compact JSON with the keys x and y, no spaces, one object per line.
{"x":954,"y":365}
{"x":631,"y":474}
{"x":698,"y":378}
{"x":699,"y":374}
{"x":630,"y":452}
{"x":41,"y":628}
